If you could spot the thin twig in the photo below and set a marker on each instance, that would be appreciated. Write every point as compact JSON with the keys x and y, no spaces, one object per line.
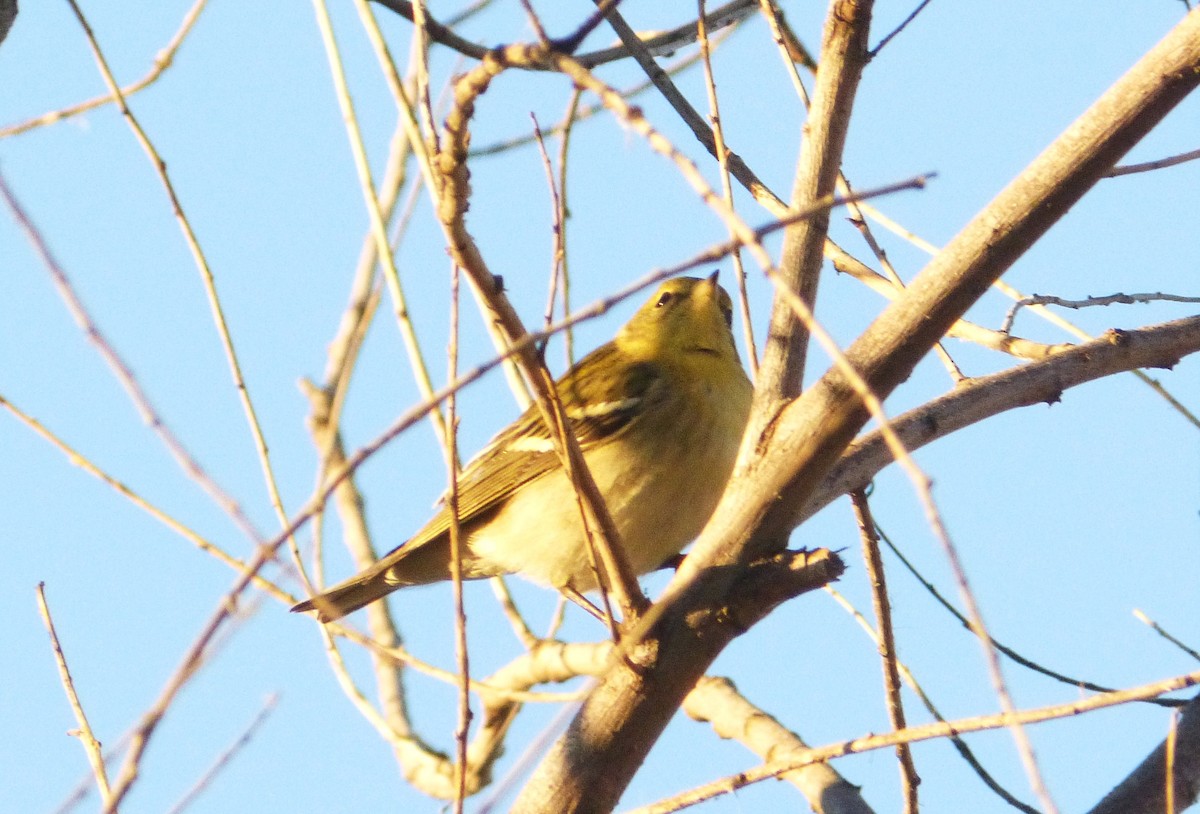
{"x":1041,"y":311}
{"x":859,"y":222}
{"x":557,"y":248}
{"x":535,"y":22}
{"x":1129,"y":169}
{"x":206,"y":275}
{"x":83,"y":462}
{"x":896,"y":31}
{"x":226,"y":756}
{"x":91,"y":746}
{"x":1090,"y":302}
{"x":570,"y":43}
{"x":916,"y":734}
{"x":162,"y":61}
{"x":1157,"y":628}
{"x":664,"y":43}
{"x":556,"y":267}
{"x":962,"y":329}
{"x":739,"y":271}
{"x":421,"y":37}
{"x":588,"y":111}
{"x":789,"y":47}
{"x":122,"y":371}
{"x":887,"y":643}
{"x":959,"y":744}
{"x":461,"y":657}
{"x":1003,"y":648}
{"x":375,"y":209}
{"x":516,"y":621}
{"x":565,"y":130}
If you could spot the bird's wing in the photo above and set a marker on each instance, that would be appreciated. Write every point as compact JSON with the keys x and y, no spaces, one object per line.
{"x":599,"y":408}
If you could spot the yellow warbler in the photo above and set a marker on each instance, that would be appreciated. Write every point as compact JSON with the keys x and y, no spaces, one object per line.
{"x":658,"y":412}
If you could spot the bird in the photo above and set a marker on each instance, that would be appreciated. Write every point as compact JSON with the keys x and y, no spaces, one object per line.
{"x":659,"y":414}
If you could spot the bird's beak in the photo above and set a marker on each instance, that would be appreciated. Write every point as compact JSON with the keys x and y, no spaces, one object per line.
{"x":712,"y":278}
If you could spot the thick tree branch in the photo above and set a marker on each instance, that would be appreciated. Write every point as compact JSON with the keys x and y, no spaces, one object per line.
{"x":8,"y":15}
{"x":925,"y":732}
{"x":716,"y":700}
{"x":843,"y":57}
{"x":1145,"y":790}
{"x":592,"y":762}
{"x":756,"y":591}
{"x":1040,"y":382}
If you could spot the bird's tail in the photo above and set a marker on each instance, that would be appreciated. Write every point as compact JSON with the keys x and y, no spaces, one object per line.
{"x":349,"y":596}
{"x":414,"y":563}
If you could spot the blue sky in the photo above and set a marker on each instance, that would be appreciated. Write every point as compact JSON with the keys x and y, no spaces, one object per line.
{"x":1068,"y":516}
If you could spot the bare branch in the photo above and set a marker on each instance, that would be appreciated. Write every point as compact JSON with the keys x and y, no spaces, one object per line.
{"x":843,"y":57}
{"x":1146,"y":789}
{"x":1130,"y":169}
{"x":1157,"y":628}
{"x":1089,"y":302}
{"x":88,"y":738}
{"x":932,"y":731}
{"x":163,"y":60}
{"x":123,"y":373}
{"x":887,"y":643}
{"x":226,"y":756}
{"x":601,"y":750}
{"x":1000,"y":646}
{"x":664,"y":43}
{"x":716,"y":700}
{"x":1039,"y":382}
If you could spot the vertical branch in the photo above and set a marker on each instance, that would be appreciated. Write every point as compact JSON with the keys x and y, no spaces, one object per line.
{"x":453,"y":195}
{"x":887,"y":643}
{"x":88,"y":738}
{"x":456,"y":553}
{"x":726,"y":187}
{"x":843,"y":57}
{"x":558,"y":241}
{"x":348,"y":503}
{"x":564,"y":213}
{"x":558,"y":269}
{"x":375,"y":208}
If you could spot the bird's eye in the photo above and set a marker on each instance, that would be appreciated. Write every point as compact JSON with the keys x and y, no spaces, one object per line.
{"x":666,"y":297}
{"x":727,"y":312}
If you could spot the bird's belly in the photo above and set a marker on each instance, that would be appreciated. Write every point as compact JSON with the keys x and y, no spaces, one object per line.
{"x":659,"y":498}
